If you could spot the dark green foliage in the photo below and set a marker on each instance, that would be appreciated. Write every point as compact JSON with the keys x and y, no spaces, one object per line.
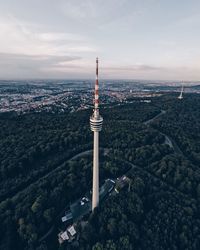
{"x":39,"y":177}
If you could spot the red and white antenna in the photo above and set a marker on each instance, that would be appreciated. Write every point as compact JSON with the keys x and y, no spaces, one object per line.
{"x":96,"y":93}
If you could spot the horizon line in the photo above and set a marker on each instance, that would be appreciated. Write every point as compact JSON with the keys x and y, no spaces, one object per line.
{"x":90,"y":79}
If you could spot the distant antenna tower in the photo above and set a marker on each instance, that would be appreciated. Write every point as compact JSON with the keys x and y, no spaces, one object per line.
{"x":181,"y":94}
{"x":96,"y":122}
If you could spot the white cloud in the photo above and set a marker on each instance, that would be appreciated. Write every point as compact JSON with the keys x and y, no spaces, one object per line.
{"x":59,"y":37}
{"x":96,"y":12}
{"x":159,"y":34}
{"x":26,"y":49}
{"x":20,"y":37}
{"x":18,"y":65}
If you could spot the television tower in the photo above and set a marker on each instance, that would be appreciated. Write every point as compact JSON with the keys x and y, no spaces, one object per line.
{"x":181,"y":94}
{"x":96,"y":122}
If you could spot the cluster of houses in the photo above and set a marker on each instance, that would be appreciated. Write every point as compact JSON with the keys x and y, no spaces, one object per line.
{"x":83,"y":206}
{"x":69,"y":234}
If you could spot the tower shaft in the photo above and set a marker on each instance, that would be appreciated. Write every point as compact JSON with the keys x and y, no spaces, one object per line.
{"x":95,"y":185}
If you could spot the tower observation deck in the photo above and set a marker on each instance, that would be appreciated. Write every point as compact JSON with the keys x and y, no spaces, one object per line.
{"x":96,"y":122}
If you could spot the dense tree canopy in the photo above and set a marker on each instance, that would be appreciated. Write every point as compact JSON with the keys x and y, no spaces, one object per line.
{"x":40,"y":170}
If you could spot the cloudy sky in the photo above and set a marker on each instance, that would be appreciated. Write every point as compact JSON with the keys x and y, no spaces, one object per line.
{"x":134,"y":39}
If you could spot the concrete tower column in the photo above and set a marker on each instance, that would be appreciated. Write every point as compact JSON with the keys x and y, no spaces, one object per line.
{"x":95,"y":188}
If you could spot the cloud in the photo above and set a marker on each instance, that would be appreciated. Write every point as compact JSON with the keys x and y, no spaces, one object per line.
{"x":97,"y":12}
{"x":134,"y":68}
{"x":52,"y":59}
{"x":19,"y":65}
{"x":59,"y":37}
{"x":48,"y":38}
{"x":18,"y":36}
{"x":149,"y":72}
{"x":28,"y":50}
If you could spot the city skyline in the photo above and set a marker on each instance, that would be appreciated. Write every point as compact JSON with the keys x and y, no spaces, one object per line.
{"x":134,"y":39}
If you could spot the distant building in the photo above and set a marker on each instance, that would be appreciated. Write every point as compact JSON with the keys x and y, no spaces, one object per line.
{"x":71,"y":230}
{"x":62,"y":236}
{"x":80,"y":208}
{"x":68,"y":216}
{"x":180,"y":97}
{"x":121,"y":183}
{"x":106,"y":188}
{"x":68,"y":235}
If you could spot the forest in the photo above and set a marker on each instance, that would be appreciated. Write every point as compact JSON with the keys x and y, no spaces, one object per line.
{"x":39,"y":173}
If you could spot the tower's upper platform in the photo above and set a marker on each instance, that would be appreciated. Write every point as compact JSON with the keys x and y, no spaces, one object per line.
{"x":96,"y":123}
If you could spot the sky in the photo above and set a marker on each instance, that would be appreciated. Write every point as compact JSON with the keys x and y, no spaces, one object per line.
{"x":134,"y":39}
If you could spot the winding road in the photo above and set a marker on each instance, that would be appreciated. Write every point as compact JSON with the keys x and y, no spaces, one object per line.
{"x":168,"y":140}
{"x":162,"y":112}
{"x":60,"y":166}
{"x":134,"y":167}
